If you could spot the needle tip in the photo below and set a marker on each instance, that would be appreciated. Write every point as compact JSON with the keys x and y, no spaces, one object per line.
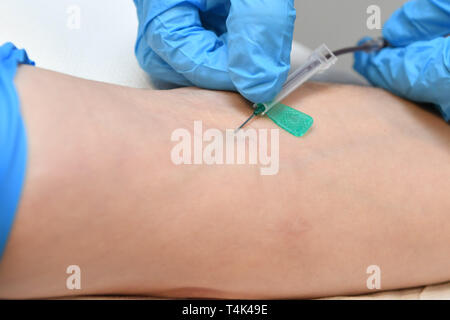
{"x":246,"y":121}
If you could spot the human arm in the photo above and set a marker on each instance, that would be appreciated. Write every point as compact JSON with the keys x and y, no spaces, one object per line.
{"x":368,"y":185}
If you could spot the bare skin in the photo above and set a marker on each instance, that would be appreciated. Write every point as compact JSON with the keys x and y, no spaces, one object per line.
{"x":368,"y":185}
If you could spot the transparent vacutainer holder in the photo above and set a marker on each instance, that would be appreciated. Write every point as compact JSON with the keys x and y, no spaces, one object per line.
{"x":320,"y":60}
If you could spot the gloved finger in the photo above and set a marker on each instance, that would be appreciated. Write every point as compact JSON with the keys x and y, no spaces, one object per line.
{"x":178,"y":37}
{"x":160,"y":71}
{"x":418,"y":20}
{"x":419,"y":72}
{"x":260,"y":36}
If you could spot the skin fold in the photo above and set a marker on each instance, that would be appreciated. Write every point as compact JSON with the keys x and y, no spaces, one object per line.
{"x":368,"y":185}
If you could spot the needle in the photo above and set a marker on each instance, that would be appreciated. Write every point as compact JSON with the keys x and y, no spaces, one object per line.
{"x":246,"y":121}
{"x":259,"y":109}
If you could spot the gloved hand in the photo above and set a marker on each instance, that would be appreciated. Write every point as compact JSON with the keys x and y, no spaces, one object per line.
{"x":418,"y":67}
{"x":239,"y":45}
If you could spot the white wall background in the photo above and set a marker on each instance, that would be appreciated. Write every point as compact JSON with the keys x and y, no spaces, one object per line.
{"x":102,"y":48}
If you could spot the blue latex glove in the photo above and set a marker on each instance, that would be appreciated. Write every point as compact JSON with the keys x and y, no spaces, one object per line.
{"x":239,"y":45}
{"x":418,"y":67}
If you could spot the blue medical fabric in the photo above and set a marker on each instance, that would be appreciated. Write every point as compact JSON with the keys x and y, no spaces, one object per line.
{"x":13,"y":142}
